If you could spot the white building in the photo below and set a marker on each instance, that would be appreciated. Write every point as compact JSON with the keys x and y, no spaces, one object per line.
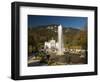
{"x":50,"y":46}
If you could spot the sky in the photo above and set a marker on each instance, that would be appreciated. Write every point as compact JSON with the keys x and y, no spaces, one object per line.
{"x":66,"y":21}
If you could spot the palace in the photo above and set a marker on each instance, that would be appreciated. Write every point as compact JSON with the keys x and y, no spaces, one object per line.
{"x":50,"y":46}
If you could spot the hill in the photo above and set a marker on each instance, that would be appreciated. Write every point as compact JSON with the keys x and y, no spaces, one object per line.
{"x":71,"y":36}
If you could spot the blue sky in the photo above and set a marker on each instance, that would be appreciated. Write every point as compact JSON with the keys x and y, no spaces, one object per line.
{"x":66,"y":21}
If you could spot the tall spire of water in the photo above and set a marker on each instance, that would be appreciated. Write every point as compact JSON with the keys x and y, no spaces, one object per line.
{"x":60,"y":41}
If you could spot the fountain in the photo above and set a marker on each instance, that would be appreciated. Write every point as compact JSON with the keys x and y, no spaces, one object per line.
{"x":60,"y":41}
